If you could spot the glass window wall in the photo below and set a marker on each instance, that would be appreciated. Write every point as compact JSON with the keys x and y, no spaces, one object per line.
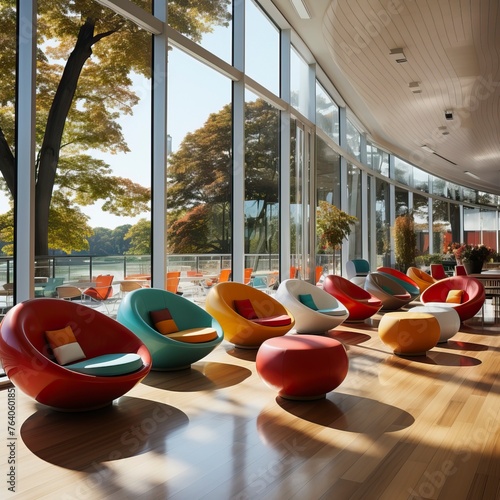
{"x":421,"y":218}
{"x":354,"y":208}
{"x":353,"y":140}
{"x":327,"y":189}
{"x":377,"y":159}
{"x":7,"y":147}
{"x":262,"y":48}
{"x":383,"y":222}
{"x":327,"y":113}
{"x":262,"y":173}
{"x":299,"y":83}
{"x":199,"y":169}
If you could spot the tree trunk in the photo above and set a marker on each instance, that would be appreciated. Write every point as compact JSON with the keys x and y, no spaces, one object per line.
{"x":49,"y":153}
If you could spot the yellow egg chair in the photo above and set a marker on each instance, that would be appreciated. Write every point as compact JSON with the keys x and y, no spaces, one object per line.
{"x":421,"y":278}
{"x":248,"y":316}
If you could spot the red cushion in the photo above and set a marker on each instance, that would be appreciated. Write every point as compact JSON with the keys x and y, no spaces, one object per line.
{"x":245,"y":308}
{"x":281,"y":320}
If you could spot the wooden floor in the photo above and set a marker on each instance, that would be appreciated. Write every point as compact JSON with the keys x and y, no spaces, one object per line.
{"x":396,"y":428}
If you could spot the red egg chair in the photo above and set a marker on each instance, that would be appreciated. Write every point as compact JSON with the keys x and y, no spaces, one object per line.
{"x":438,"y":272}
{"x":114,"y":361}
{"x":360,"y":303}
{"x":464,"y":293}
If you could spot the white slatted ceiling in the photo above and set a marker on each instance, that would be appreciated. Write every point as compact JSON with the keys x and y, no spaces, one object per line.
{"x":453,"y":49}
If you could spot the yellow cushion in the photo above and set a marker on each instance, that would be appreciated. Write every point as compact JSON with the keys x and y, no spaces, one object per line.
{"x":163,"y":321}
{"x":64,"y":345}
{"x":194,"y":335}
{"x":454,"y":296}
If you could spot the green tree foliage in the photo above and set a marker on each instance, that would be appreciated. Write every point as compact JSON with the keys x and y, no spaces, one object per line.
{"x":87,"y":55}
{"x":200,"y":180}
{"x":334,"y":225}
{"x":106,"y":241}
{"x":140,"y":238}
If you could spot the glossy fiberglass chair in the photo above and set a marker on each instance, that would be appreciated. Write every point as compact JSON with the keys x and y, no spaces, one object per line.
{"x":421,"y":278}
{"x":360,"y":303}
{"x":114,"y":361}
{"x":438,"y":272}
{"x":248,"y":315}
{"x":406,"y":282}
{"x":314,"y":310}
{"x":464,"y":293}
{"x":195,"y":335}
{"x":357,"y":270}
{"x":388,"y":290}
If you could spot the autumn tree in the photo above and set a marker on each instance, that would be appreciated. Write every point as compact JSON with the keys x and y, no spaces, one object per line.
{"x":200,"y":180}
{"x":86,"y":57}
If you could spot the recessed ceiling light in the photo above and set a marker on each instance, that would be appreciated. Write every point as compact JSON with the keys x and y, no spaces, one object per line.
{"x":398,"y":55}
{"x":427,"y":148}
{"x":470,"y":174}
{"x":415,"y":87}
{"x":301,"y":9}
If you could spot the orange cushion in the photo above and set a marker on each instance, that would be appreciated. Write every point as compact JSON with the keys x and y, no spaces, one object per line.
{"x":281,"y":320}
{"x":245,"y":308}
{"x":454,"y":296}
{"x":64,"y":345}
{"x":194,"y":335}
{"x":163,"y":321}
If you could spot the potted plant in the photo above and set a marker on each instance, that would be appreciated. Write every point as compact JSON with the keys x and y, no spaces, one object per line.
{"x":473,"y":257}
{"x":405,"y":241}
{"x":334,"y":226}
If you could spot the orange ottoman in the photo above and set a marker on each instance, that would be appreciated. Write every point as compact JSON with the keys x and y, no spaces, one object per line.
{"x":302,"y":366}
{"x":409,"y":334}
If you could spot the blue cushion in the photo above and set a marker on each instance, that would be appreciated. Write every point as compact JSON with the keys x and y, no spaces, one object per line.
{"x":333,"y":312}
{"x":108,"y":365}
{"x":308,"y":301}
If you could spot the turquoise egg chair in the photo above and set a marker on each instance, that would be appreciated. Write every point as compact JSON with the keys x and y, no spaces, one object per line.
{"x":168,"y":353}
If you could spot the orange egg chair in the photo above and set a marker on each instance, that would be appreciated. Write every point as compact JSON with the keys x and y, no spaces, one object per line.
{"x":421,"y":278}
{"x":360,"y":303}
{"x":248,"y":316}
{"x":114,"y":359}
{"x":464,"y":293}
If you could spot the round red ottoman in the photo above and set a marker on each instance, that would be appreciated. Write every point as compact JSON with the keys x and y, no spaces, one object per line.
{"x":302,"y":366}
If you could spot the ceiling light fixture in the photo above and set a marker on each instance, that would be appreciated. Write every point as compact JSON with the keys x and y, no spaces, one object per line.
{"x":415,"y":87}
{"x":448,"y":114}
{"x":470,"y":174}
{"x":398,"y":55}
{"x":427,"y":148}
{"x":301,"y":9}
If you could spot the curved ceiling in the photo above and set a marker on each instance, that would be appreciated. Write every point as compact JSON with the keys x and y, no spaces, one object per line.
{"x":452,"y":51}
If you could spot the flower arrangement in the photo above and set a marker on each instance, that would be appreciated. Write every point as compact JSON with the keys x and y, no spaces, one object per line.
{"x":472,"y":253}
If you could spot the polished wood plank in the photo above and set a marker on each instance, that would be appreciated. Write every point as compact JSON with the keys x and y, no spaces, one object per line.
{"x":422,"y":427}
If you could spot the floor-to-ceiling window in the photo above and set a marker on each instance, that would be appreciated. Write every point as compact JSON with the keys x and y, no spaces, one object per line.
{"x":327,"y":189}
{"x":8,"y":15}
{"x":355,"y":208}
{"x":421,"y":218}
{"x":199,"y":167}
{"x":262,"y":175}
{"x":383,"y":222}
